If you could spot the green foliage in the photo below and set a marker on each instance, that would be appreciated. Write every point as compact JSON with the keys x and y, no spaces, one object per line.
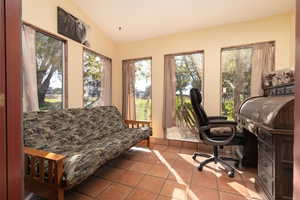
{"x":92,"y":77}
{"x":143,"y":90}
{"x":188,"y":75}
{"x":143,"y":70}
{"x":188,"y":72}
{"x":236,"y":79}
{"x":143,"y":109}
{"x":184,"y":113}
{"x":92,"y":65}
{"x":49,"y":59}
{"x":51,"y":104}
{"x":228,"y":109}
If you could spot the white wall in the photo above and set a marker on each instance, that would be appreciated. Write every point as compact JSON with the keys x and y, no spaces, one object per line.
{"x":43,"y":14}
{"x":278,"y":28}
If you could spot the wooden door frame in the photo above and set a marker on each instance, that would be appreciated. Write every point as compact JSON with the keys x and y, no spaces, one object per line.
{"x":3,"y":178}
{"x":11,"y":182}
{"x":11,"y":84}
{"x":296,"y":188}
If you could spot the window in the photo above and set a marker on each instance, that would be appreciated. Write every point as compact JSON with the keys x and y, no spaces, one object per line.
{"x":137,"y":89}
{"x":92,"y":78}
{"x":96,"y":79}
{"x":143,"y":90}
{"x":242,"y":71}
{"x":50,"y":71}
{"x":189,"y":74}
{"x":236,"y":78}
{"x":189,"y":68}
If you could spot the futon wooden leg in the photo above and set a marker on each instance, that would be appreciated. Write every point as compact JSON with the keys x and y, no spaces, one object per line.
{"x":148,"y":142}
{"x":60,"y":194}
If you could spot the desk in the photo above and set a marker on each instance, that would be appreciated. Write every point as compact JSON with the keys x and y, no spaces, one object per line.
{"x":272,"y":152}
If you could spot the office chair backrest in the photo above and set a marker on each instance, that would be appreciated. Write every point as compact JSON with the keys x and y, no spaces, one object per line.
{"x":200,"y":114}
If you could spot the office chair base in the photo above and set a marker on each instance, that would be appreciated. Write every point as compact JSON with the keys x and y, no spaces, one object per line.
{"x":201,"y":154}
{"x":215,"y":159}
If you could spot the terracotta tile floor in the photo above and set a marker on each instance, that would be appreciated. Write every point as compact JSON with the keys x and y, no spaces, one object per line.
{"x":163,"y":173}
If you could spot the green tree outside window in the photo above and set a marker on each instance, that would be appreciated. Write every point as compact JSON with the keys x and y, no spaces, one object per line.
{"x":189,"y":74}
{"x":236,"y":79}
{"x":92,"y":78}
{"x":50,"y":69}
{"x":143,"y":90}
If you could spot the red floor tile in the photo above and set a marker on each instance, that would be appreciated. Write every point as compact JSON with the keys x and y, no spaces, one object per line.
{"x":76,"y":196}
{"x":252,"y":191}
{"x":130,"y":178}
{"x":229,"y":196}
{"x":181,"y":163}
{"x":166,"y":198}
{"x":201,"y":193}
{"x":140,"y":194}
{"x":159,"y":171}
{"x":174,"y":190}
{"x":115,"y":192}
{"x":112,"y":174}
{"x":169,"y":173}
{"x":232,"y":186}
{"x":123,"y":164}
{"x":204,"y":178}
{"x":188,"y":151}
{"x":151,"y":183}
{"x":140,"y":167}
{"x":93,"y":186}
{"x":181,"y":175}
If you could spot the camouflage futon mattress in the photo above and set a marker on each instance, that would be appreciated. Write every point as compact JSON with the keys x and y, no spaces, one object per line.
{"x":88,"y":137}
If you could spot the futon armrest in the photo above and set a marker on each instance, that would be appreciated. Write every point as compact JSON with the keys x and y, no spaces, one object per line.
{"x":137,"y":124}
{"x":43,"y":154}
{"x":43,"y":167}
{"x":217,"y":118}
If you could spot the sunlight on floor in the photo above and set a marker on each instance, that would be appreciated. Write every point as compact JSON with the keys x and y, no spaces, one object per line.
{"x":163,"y":173}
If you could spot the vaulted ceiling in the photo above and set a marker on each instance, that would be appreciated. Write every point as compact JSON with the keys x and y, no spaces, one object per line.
{"x":141,"y":19}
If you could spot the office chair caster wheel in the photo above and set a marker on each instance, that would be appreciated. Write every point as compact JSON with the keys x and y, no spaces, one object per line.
{"x":194,"y":157}
{"x":230,"y":174}
{"x":200,"y":168}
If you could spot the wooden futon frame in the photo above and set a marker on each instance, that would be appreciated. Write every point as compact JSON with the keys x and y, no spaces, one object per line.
{"x":48,"y":183}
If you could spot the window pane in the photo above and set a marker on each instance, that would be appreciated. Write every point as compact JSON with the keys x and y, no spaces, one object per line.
{"x":236,"y":79}
{"x":143,"y":90}
{"x":92,"y":76}
{"x":50,"y":69}
{"x":189,"y":71}
{"x":189,"y":74}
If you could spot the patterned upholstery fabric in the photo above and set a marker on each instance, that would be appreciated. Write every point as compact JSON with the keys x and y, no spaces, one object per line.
{"x":279,"y":77}
{"x":88,"y":137}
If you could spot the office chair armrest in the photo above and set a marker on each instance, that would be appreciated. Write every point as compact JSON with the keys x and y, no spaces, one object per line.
{"x":228,"y":124}
{"x":222,"y":123}
{"x":217,"y":118}
{"x":211,"y":141}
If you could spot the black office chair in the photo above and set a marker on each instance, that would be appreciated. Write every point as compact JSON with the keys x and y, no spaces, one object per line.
{"x":205,"y":125}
